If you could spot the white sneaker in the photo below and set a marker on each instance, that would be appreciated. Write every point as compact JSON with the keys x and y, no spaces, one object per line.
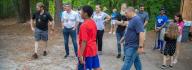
{"x":110,"y":32}
{"x":174,"y":61}
{"x":114,"y":33}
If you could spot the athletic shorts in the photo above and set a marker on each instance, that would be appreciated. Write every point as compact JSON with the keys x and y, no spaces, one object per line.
{"x":90,"y":63}
{"x":41,"y":35}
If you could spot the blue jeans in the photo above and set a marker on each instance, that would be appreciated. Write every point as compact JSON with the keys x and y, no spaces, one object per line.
{"x":131,"y":56}
{"x":119,"y":35}
{"x":73,"y":34}
{"x":160,"y":39}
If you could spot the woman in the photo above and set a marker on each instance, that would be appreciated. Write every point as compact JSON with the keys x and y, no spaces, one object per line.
{"x":100,"y":18}
{"x":121,"y":26}
{"x":180,"y":23}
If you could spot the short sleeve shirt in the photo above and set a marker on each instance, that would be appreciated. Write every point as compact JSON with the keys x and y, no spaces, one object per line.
{"x":88,"y":31}
{"x":121,"y":17}
{"x":135,"y":26}
{"x":42,"y":20}
{"x":143,"y":15}
{"x":161,"y":20}
{"x":70,"y":19}
{"x":114,"y":15}
{"x":100,"y":20}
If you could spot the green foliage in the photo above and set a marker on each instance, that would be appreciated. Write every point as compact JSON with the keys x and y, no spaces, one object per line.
{"x":7,"y":9}
{"x":152,"y":6}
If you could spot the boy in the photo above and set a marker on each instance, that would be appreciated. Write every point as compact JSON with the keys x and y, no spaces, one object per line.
{"x":87,"y":52}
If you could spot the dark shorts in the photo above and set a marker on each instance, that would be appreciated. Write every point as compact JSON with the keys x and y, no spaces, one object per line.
{"x":90,"y":63}
{"x":41,"y":35}
{"x":170,"y":49}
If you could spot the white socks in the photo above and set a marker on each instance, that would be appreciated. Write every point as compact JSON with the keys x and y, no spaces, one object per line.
{"x":36,"y":47}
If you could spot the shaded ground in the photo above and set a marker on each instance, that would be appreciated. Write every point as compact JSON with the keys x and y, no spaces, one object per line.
{"x":16,"y":48}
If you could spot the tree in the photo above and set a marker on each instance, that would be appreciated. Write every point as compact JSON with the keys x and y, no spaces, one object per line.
{"x":58,"y":10}
{"x":46,"y":3}
{"x":186,"y":9}
{"x":23,"y":10}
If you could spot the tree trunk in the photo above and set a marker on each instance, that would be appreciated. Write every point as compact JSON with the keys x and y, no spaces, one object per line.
{"x":186,"y":9}
{"x":58,"y":10}
{"x":23,"y":10}
{"x":46,"y":3}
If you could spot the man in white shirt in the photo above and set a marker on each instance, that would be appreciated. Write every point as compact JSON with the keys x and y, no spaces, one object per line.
{"x":70,"y":22}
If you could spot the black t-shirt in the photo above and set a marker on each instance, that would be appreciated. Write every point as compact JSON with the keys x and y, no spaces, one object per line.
{"x":119,"y":18}
{"x":42,"y":20}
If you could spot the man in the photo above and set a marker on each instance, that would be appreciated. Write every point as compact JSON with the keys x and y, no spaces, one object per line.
{"x":87,"y":53}
{"x":160,"y":28}
{"x":69,"y":21}
{"x":143,"y":15}
{"x":42,"y":18}
{"x":121,"y":26}
{"x":134,"y":40}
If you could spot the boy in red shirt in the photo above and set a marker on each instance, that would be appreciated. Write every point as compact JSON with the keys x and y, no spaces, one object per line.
{"x":87,"y":52}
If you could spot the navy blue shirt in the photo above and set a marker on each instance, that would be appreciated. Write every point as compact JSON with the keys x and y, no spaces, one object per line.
{"x":135,"y":26}
{"x":143,"y":15}
{"x":42,"y":20}
{"x":121,"y":17}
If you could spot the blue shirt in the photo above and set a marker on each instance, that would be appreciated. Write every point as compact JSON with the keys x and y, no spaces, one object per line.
{"x":144,"y":16}
{"x":100,"y":20}
{"x":161,"y":20}
{"x":135,"y":26}
{"x":114,"y":16}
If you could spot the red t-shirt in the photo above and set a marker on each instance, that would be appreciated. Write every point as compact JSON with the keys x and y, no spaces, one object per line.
{"x":88,"y":31}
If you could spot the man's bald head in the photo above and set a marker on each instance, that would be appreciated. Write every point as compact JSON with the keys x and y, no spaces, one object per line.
{"x":130,"y":12}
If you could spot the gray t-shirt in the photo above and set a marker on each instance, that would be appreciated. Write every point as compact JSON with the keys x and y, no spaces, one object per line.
{"x":143,"y":15}
{"x":135,"y":26}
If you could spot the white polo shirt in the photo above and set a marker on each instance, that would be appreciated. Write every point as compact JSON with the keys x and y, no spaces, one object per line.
{"x":69,"y":19}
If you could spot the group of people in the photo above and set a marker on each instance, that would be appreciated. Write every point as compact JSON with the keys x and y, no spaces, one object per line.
{"x":86,"y":29}
{"x":168,"y":37}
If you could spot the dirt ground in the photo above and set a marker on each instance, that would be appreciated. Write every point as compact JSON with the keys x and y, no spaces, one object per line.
{"x":17,"y":43}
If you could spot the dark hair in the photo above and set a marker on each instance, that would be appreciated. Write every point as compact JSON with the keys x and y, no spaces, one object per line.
{"x":68,"y":4}
{"x":141,"y":5}
{"x":87,"y":9}
{"x":180,"y":17}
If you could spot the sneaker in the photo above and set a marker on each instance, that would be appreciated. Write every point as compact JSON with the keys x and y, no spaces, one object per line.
{"x":110,"y":32}
{"x":35,"y":56}
{"x":118,"y":56}
{"x":174,"y":61}
{"x":123,"y":59}
{"x":163,"y":67}
{"x":66,"y":56}
{"x":45,"y":53}
{"x":170,"y":67}
{"x":114,"y":33}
